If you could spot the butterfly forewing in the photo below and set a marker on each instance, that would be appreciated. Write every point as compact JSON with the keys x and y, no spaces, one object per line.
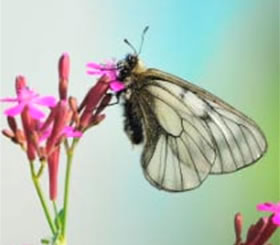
{"x":191,"y":133}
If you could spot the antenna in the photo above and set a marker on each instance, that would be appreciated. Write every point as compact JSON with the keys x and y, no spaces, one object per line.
{"x":141,"y":44}
{"x":130,"y":45}
{"x":142,"y":39}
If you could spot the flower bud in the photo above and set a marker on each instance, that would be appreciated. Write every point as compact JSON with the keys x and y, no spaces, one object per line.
{"x":20,"y":138}
{"x":105,"y":101}
{"x":63,"y":70}
{"x":93,"y":98}
{"x":12,"y":123}
{"x":20,"y":83}
{"x":96,"y":119}
{"x":8,"y":133}
{"x":53,"y":162}
{"x":238,"y":221}
{"x":267,"y":230}
{"x":29,"y":126}
{"x":74,"y":107}
{"x":61,"y":116}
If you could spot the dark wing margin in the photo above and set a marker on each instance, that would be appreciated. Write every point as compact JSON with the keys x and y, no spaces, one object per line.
{"x":196,"y":134}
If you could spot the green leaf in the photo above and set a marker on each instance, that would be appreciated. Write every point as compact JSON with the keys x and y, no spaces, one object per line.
{"x":45,"y":241}
{"x":59,"y":219}
{"x":58,"y":240}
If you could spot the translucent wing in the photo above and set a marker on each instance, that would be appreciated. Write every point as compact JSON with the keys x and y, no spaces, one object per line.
{"x":192,"y":133}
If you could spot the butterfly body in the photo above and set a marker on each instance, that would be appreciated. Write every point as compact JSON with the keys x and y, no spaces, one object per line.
{"x":133,"y":122}
{"x":188,"y":133}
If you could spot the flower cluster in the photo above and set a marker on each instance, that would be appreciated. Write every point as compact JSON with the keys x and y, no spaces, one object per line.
{"x":47,"y":121}
{"x":259,"y":233}
{"x":44,"y":123}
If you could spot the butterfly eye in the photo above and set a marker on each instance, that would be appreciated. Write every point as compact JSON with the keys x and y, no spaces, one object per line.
{"x":124,"y":72}
{"x":131,"y":60}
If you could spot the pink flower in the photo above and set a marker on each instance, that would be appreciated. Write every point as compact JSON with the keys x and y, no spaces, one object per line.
{"x":109,"y":69}
{"x":27,"y":97}
{"x":257,"y":234}
{"x":67,"y":131}
{"x":70,"y":132}
{"x":273,"y":208}
{"x":260,"y":232}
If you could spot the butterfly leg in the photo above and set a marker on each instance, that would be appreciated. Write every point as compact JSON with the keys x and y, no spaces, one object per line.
{"x":117,"y":95}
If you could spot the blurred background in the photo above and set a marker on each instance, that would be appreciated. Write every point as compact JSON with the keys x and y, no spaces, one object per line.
{"x":229,"y":47}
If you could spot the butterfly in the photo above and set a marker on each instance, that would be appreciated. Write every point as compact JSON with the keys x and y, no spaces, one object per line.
{"x":187,"y":132}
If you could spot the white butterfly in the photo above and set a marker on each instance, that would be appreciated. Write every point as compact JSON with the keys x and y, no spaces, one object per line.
{"x":188,"y":133}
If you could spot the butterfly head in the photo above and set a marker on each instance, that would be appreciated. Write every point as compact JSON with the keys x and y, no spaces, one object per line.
{"x":127,"y":66}
{"x":131,"y":64}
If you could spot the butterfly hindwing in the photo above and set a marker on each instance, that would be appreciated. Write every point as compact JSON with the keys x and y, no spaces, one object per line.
{"x":191,"y":133}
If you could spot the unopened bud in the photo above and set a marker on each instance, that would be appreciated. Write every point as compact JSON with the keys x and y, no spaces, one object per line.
{"x":63,"y":70}
{"x":8,"y":133}
{"x":74,"y":107}
{"x":12,"y":123}
{"x":53,"y":162}
{"x":73,"y":103}
{"x":97,"y":119}
{"x":93,"y":98}
{"x":238,"y":222}
{"x":105,"y":101}
{"x":20,"y":83}
{"x":64,"y":66}
{"x":20,"y":138}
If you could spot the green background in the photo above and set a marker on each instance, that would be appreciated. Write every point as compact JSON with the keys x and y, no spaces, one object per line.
{"x":229,"y":47}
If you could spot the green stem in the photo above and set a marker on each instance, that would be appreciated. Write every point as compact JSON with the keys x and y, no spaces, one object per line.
{"x":41,"y":170}
{"x":55,"y":208}
{"x":42,"y":198}
{"x":67,"y":186}
{"x":66,"y":145}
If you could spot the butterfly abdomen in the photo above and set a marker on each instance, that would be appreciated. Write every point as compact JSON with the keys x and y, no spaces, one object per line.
{"x":133,"y":122}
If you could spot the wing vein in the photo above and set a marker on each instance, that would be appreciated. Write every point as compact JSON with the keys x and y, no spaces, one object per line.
{"x":233,"y":136}
{"x":165,"y":161}
{"x":192,"y":160}
{"x":200,"y":150}
{"x":191,"y":124}
{"x":179,"y":165}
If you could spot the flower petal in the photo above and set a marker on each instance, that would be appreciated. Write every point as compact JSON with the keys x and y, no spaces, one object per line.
{"x":94,"y":72}
{"x":8,"y":99}
{"x":94,"y":65}
{"x":71,"y":133}
{"x":109,"y":69}
{"x":27,"y":95}
{"x":117,"y":86}
{"x":15,"y":110}
{"x":35,"y":112}
{"x":276,"y":219}
{"x":49,"y":101}
{"x":268,"y":207}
